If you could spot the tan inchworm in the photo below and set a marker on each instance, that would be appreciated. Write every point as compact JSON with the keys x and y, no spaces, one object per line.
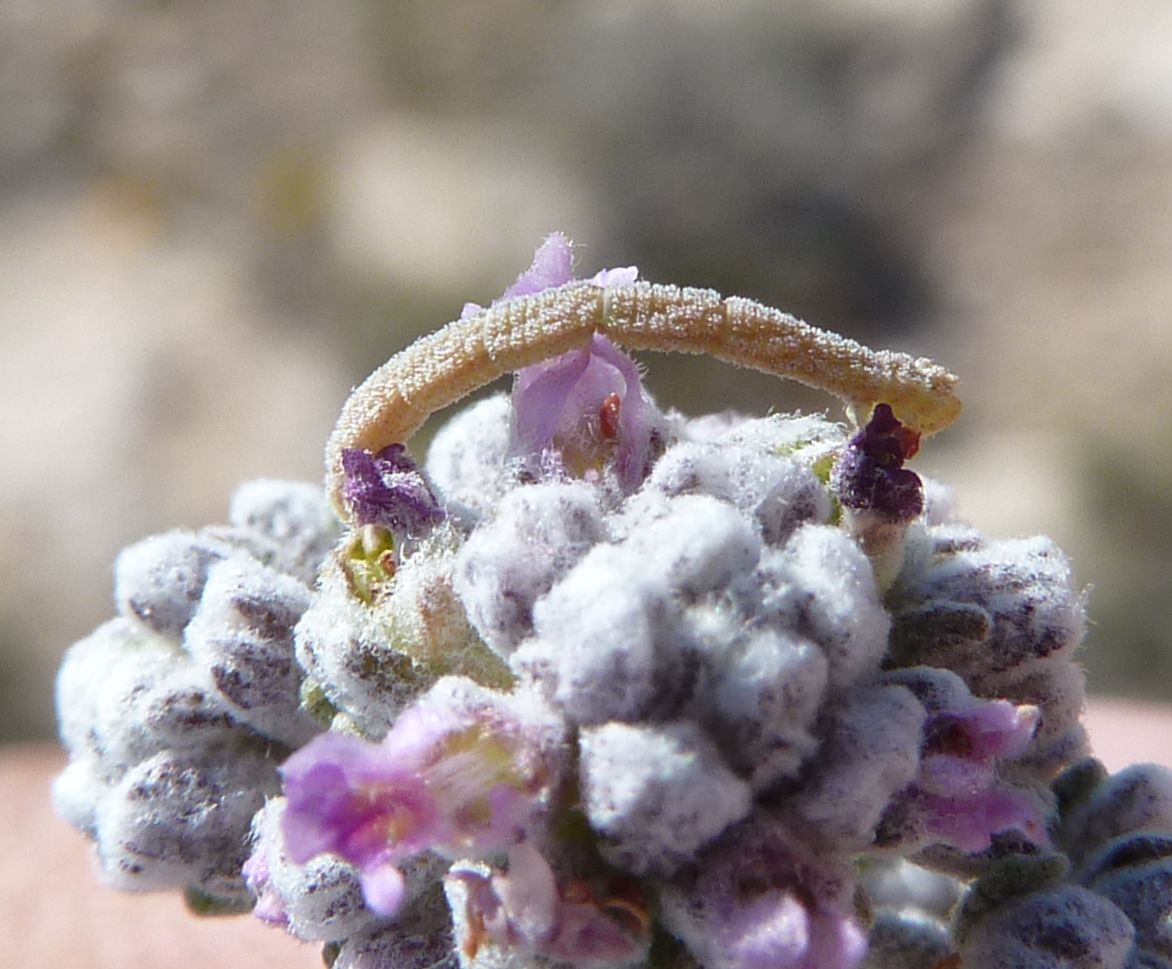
{"x":439,"y":369}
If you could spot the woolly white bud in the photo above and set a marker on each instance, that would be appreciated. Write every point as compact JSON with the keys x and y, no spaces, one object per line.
{"x":159,"y":580}
{"x":1137,"y":799}
{"x":1143,"y":892}
{"x":870,"y":751}
{"x":697,"y":545}
{"x":595,"y":643}
{"x":90,"y":662}
{"x":822,"y":584}
{"x":776,"y":492}
{"x":989,"y":610}
{"x":243,"y":634}
{"x":765,"y":693}
{"x":294,"y":516}
{"x":537,"y":534}
{"x":177,"y":821}
{"x":657,"y":793}
{"x":341,"y":645}
{"x":1068,"y":927}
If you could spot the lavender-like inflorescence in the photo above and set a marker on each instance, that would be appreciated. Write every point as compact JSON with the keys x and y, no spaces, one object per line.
{"x":599,"y":685}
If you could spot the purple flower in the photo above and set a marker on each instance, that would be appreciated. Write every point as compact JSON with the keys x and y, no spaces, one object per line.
{"x":270,"y":906}
{"x":758,"y":901}
{"x":957,"y":798}
{"x":526,"y":909}
{"x":452,"y":775}
{"x":587,"y":407}
{"x":869,"y":475}
{"x":388,"y":489}
{"x":357,"y":800}
{"x":553,"y":265}
{"x":956,"y":791}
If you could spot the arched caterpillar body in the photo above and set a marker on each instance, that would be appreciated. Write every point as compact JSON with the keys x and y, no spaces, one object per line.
{"x":439,"y":369}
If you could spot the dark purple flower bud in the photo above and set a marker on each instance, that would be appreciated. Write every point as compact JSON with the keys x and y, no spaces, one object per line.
{"x":388,"y":489}
{"x":869,"y":475}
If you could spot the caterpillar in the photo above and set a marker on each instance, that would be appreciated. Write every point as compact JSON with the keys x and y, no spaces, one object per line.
{"x":439,"y":369}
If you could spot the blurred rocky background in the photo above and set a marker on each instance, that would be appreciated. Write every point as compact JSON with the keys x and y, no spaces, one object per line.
{"x":216,"y":217}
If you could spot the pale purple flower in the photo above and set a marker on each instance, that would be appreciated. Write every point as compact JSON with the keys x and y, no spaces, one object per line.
{"x":388,"y":489}
{"x":586,"y":407}
{"x":957,"y":792}
{"x":528,"y":910}
{"x":270,"y":906}
{"x":363,"y":803}
{"x":758,"y":901}
{"x":957,"y":798}
{"x":448,"y":776}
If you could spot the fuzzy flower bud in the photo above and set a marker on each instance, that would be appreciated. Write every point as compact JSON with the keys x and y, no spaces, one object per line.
{"x":389,"y":490}
{"x":869,"y":476}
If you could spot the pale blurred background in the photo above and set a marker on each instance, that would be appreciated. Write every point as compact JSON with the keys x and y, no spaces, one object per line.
{"x":216,"y":217}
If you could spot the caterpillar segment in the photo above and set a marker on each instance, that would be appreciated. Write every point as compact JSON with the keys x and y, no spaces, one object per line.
{"x":441,"y":368}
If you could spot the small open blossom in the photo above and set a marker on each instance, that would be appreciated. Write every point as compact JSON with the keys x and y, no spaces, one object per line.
{"x":585,"y":407}
{"x":444,"y":778}
{"x":957,"y":790}
{"x":957,"y":798}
